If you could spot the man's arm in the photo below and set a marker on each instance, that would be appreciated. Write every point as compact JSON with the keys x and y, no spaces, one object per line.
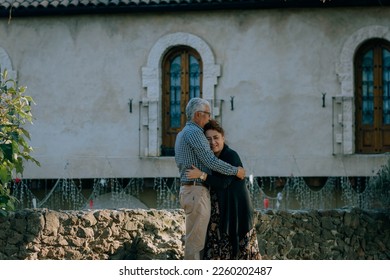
{"x":198,"y":141}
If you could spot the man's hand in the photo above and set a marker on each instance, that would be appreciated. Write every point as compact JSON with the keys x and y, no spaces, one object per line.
{"x":240,"y":173}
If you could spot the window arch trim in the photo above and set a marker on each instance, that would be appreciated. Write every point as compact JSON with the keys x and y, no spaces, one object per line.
{"x":5,"y":63}
{"x":152,"y":79}
{"x":345,"y":73}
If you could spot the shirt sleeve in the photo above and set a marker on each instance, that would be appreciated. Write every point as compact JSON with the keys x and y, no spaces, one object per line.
{"x":199,"y":144}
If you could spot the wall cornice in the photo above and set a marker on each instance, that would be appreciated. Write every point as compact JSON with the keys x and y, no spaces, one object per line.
{"x":12,"y":8}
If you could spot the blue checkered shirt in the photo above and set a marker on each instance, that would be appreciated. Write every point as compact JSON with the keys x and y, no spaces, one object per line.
{"x":192,"y":148}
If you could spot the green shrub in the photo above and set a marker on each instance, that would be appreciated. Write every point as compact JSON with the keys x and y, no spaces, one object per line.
{"x":15,"y":111}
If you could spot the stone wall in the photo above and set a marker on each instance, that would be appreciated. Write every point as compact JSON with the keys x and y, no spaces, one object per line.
{"x":159,"y":234}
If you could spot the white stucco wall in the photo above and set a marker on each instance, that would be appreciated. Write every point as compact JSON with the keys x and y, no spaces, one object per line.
{"x":82,"y":71}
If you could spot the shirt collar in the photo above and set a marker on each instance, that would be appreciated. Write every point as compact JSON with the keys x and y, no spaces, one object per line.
{"x":194,"y":123}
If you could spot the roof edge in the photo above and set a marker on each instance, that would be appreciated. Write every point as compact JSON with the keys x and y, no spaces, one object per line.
{"x":28,"y":11}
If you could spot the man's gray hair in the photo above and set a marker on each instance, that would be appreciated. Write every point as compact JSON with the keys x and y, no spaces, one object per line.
{"x":194,"y":105}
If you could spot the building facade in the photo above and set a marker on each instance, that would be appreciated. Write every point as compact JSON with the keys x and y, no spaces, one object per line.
{"x":301,"y":89}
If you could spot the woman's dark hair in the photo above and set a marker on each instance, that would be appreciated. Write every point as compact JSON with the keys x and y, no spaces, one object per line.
{"x":214,"y":125}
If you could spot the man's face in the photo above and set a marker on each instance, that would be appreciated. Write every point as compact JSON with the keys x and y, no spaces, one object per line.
{"x":203,"y":116}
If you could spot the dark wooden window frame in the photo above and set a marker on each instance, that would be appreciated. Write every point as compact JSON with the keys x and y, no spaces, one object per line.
{"x":169,"y":133}
{"x":373,"y":138}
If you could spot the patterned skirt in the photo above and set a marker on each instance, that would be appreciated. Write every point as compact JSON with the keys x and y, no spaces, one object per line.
{"x":219,"y":247}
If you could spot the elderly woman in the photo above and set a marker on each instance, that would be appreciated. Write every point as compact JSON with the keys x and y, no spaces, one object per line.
{"x":231,"y":233}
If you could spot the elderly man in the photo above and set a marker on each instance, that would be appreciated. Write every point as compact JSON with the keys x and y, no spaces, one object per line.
{"x":193,"y":149}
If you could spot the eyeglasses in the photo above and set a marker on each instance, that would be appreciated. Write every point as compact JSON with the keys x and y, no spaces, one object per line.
{"x":205,"y":112}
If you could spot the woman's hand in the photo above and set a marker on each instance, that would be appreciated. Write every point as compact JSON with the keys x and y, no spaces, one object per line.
{"x":193,"y":173}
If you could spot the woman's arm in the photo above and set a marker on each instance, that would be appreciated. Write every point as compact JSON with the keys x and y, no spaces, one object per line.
{"x":217,"y":181}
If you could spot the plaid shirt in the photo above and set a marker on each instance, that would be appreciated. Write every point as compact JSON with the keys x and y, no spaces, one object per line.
{"x":192,"y":148}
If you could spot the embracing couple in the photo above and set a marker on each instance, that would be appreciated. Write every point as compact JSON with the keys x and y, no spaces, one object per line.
{"x":213,"y":193}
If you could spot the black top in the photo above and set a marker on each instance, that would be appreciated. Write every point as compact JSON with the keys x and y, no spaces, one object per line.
{"x":234,"y":200}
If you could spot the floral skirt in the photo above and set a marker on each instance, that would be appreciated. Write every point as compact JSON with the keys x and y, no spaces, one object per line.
{"x":219,"y":247}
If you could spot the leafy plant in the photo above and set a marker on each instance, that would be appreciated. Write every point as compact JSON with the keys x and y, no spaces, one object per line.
{"x":15,"y":111}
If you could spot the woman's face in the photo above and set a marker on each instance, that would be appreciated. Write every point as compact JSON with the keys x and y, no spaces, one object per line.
{"x":216,"y":140}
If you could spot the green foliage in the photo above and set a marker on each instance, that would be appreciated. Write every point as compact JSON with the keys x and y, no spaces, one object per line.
{"x":15,"y":111}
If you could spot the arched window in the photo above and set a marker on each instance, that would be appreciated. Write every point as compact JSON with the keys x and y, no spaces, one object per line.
{"x":372,"y":100}
{"x":181,"y":81}
{"x":155,"y":108}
